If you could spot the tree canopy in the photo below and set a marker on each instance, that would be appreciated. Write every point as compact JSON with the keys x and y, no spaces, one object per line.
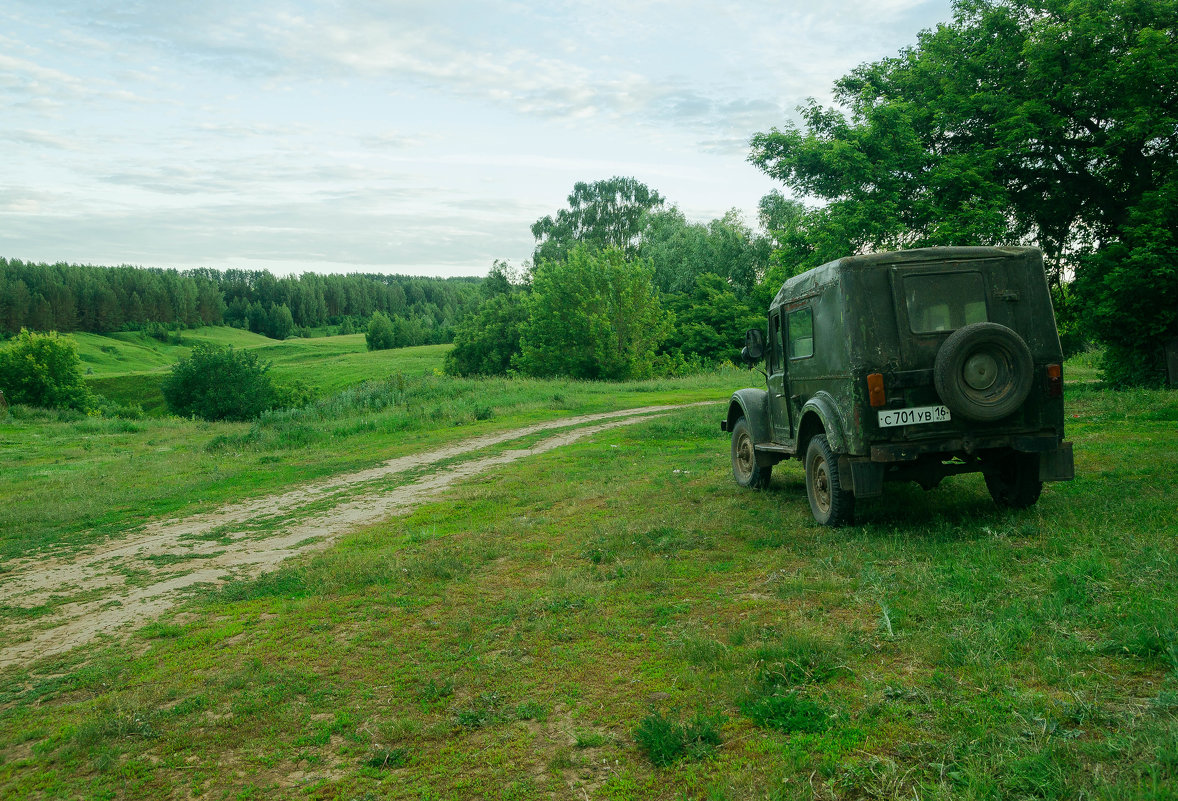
{"x":72,"y":297}
{"x":1045,"y":121}
{"x":601,"y":214}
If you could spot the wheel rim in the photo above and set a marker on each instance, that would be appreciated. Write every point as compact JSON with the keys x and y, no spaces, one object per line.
{"x":821,"y":485}
{"x":746,"y":458}
{"x":988,"y":376}
{"x":981,"y":371}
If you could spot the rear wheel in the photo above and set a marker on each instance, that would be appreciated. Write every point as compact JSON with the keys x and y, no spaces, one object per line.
{"x":830,"y":502}
{"x":744,"y":459}
{"x":1013,"y":480}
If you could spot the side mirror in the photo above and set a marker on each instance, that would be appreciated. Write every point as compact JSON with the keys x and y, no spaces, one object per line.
{"x":754,"y":347}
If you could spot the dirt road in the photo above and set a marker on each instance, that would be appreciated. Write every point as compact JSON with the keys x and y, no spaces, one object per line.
{"x":242,"y":540}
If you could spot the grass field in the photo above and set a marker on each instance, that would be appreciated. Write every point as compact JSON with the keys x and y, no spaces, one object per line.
{"x":72,"y":480}
{"x":128,"y":367}
{"x":105,"y":355}
{"x":614,"y":619}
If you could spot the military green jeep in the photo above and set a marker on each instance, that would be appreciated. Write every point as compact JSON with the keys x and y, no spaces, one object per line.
{"x":907,"y":366}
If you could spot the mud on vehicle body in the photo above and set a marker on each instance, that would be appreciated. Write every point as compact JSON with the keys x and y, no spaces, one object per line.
{"x":907,"y":366}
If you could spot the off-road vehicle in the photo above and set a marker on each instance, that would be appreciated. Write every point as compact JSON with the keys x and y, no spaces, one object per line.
{"x":907,"y":366}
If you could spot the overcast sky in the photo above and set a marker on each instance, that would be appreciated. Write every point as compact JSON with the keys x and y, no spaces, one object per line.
{"x":398,"y":136}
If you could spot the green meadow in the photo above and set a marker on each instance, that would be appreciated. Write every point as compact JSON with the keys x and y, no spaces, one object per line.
{"x":613,"y":619}
{"x":128,"y":367}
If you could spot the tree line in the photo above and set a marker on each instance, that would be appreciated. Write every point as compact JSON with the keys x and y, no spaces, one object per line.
{"x":620,"y":286}
{"x":72,"y":297}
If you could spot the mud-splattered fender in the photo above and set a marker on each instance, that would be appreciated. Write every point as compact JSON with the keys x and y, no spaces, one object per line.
{"x":753,"y":405}
{"x":826,"y":408}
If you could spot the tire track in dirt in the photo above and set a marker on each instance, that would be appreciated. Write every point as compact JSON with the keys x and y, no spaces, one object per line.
{"x":100,"y":575}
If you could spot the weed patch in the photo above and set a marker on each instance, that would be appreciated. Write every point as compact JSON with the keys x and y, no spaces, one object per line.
{"x":388,"y":759}
{"x":665,"y":740}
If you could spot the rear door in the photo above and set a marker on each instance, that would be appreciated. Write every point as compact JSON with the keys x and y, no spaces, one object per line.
{"x":934,"y":300}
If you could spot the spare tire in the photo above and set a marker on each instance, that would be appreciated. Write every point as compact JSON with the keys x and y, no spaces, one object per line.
{"x":983,"y":371}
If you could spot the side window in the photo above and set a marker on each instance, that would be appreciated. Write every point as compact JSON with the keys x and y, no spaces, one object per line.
{"x":775,"y":344}
{"x":801,"y":334}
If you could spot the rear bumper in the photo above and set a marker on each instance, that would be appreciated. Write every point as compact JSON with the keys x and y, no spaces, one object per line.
{"x":1025,"y":443}
{"x":866,"y":475}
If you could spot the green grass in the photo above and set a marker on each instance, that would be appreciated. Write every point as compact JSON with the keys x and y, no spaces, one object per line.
{"x":128,"y":368}
{"x":616,"y":619}
{"x":72,"y":480}
{"x":105,"y":355}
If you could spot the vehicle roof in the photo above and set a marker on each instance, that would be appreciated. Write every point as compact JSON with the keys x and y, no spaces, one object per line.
{"x":811,"y":280}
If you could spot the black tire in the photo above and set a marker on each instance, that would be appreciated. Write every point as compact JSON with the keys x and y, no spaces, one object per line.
{"x":830,"y":503}
{"x":984,"y":372}
{"x":744,"y":459}
{"x":1013,"y":479}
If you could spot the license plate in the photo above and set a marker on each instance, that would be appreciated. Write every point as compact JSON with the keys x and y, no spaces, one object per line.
{"x":914,"y":416}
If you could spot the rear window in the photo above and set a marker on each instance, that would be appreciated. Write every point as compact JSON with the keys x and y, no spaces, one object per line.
{"x":944,"y":301}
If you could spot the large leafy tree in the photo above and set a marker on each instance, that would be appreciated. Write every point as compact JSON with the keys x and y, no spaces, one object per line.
{"x":1041,"y":118}
{"x":681,"y":251}
{"x":594,"y":315}
{"x":601,"y":214}
{"x":380,"y":334}
{"x":1052,"y":121}
{"x":1130,"y":291}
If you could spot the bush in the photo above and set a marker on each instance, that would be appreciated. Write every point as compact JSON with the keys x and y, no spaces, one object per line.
{"x":43,"y":370}
{"x":665,"y":740}
{"x":592,"y":316}
{"x":1130,"y":292}
{"x":218,"y":383}
{"x":380,"y":334}
{"x":485,"y":343}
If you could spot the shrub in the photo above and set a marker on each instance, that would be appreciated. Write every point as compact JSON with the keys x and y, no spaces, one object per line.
{"x":1130,"y":292}
{"x":592,"y":316}
{"x":43,"y":370}
{"x":380,"y":334}
{"x":485,"y":343}
{"x":666,"y":740}
{"x":218,"y":383}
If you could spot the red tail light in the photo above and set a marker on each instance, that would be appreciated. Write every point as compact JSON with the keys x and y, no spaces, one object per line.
{"x":1054,"y":381}
{"x":875,"y":390}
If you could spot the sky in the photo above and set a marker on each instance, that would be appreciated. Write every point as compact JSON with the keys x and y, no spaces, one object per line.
{"x":394,"y":136}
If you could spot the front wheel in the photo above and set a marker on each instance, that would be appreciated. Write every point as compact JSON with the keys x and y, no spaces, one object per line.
{"x":830,"y":502}
{"x":744,"y":459}
{"x":1013,"y":480}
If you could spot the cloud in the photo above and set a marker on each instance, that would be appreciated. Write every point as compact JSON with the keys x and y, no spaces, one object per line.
{"x":389,"y":132}
{"x":39,"y":138}
{"x":297,"y":233}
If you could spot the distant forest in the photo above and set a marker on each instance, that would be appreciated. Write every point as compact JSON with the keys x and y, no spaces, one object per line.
{"x":72,"y":297}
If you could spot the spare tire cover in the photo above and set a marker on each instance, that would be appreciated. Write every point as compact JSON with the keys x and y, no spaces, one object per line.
{"x":983,"y":371}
